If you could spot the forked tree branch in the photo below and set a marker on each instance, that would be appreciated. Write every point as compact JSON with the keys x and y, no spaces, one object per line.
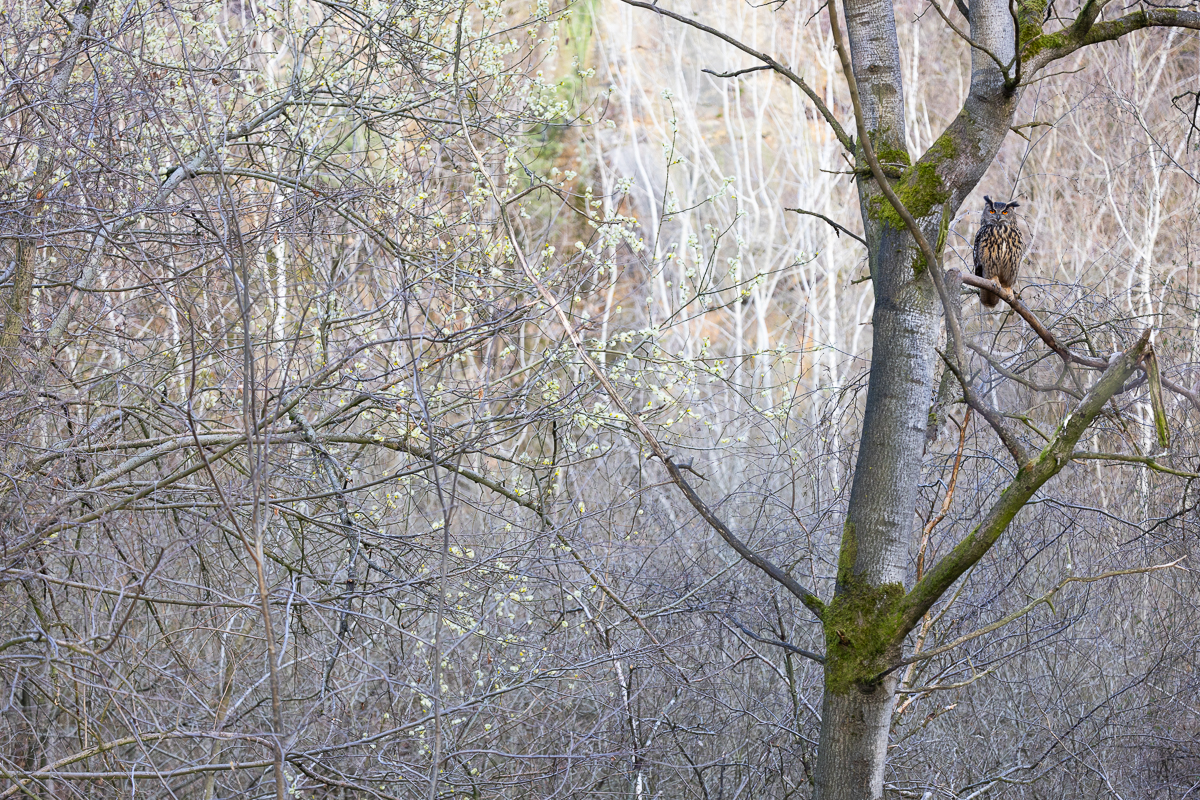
{"x":1031,"y":477}
{"x":1067,"y":355}
{"x":1087,"y":16}
{"x":1010,"y":442}
{"x":1085,"y":31}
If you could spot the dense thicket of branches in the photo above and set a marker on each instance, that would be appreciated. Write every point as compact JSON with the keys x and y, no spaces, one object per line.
{"x":307,"y":490}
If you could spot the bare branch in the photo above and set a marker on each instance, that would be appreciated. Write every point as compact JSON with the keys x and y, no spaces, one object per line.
{"x":791,"y":648}
{"x":1046,"y":599}
{"x":736,"y":72}
{"x":839,"y":229}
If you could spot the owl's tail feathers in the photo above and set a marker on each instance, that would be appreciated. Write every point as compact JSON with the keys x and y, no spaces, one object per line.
{"x":989,"y":299}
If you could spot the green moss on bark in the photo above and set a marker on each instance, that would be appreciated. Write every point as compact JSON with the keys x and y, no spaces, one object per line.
{"x":860,"y":624}
{"x":847,"y":553}
{"x":919,"y":264}
{"x":1030,"y":15}
{"x":860,"y":632}
{"x":891,"y":155}
{"x":1045,"y":41}
{"x":920,"y":188}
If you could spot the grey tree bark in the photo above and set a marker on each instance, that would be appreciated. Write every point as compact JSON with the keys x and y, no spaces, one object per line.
{"x":856,"y":714}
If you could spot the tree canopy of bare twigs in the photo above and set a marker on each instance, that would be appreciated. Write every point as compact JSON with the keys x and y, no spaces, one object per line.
{"x":456,"y":399}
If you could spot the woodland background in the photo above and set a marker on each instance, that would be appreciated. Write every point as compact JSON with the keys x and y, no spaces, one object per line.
{"x":305,"y":490}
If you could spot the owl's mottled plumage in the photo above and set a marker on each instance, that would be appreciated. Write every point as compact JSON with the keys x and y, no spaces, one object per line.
{"x":999,"y":246}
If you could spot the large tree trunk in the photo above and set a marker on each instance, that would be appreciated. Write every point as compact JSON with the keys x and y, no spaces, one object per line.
{"x":860,"y":623}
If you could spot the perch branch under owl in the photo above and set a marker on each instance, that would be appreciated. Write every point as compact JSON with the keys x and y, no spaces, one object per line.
{"x":1068,"y":355}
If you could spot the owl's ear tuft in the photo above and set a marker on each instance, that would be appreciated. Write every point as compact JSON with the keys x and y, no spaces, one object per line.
{"x":988,"y":200}
{"x":1013,"y":205}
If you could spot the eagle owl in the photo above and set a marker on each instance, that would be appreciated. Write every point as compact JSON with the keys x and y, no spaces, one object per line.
{"x":999,"y":246}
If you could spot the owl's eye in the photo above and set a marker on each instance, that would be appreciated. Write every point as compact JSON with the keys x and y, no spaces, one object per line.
{"x":1005,"y":211}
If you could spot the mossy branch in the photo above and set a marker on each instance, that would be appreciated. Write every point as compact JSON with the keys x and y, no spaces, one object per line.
{"x":1054,"y":456}
{"x":1085,"y":30}
{"x":1087,"y":17}
{"x":1154,"y":379}
{"x":1145,"y":461}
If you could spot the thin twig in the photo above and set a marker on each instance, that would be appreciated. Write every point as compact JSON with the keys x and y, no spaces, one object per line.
{"x":1046,"y":599}
{"x":1011,"y":443}
{"x":948,"y":499}
{"x":940,"y":687}
{"x":736,"y":72}
{"x":839,"y":229}
{"x":824,"y":110}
